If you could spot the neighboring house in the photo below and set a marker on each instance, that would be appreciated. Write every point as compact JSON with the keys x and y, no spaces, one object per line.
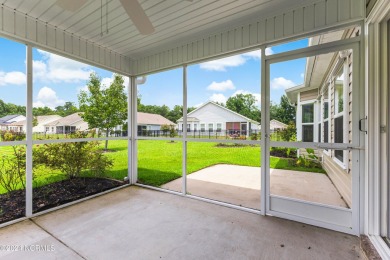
{"x":147,"y":121}
{"x":276,"y":125}
{"x":68,"y":124}
{"x":324,"y":109}
{"x":42,"y":124}
{"x":211,"y":117}
{"x":7,"y":121}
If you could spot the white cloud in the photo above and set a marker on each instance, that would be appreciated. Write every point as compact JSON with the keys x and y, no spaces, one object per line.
{"x":56,"y":68}
{"x":282,"y":83}
{"x":220,"y":98}
{"x":256,"y":95}
{"x":302,"y":75}
{"x":12,"y":78}
{"x":221,"y":86}
{"x":222,"y":64}
{"x":233,"y":61}
{"x":257,"y":53}
{"x":48,"y":97}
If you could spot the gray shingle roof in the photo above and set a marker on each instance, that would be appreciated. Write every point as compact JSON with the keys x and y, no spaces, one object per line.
{"x":152,"y":119}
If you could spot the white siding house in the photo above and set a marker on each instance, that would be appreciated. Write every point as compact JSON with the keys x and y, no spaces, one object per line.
{"x":211,"y":117}
{"x":9,"y":123}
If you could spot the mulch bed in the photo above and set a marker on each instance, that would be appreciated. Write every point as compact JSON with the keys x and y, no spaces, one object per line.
{"x":12,"y":205}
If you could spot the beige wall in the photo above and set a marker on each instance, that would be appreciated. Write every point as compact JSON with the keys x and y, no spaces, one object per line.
{"x":309,"y":95}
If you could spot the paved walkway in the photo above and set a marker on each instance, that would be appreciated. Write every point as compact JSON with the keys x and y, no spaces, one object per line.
{"x":137,"y":223}
{"x":240,"y":185}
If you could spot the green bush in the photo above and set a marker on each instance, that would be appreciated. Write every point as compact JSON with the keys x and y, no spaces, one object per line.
{"x":254,"y":136}
{"x":7,"y":136}
{"x":290,"y":133}
{"x":72,"y":158}
{"x":13,"y":169}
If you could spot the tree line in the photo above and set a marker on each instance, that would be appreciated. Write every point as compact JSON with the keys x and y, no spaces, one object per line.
{"x":244,"y":104}
{"x":11,"y":109}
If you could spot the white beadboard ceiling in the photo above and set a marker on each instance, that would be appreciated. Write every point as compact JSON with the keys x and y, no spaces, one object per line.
{"x":174,"y":20}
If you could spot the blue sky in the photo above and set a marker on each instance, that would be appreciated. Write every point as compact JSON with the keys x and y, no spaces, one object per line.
{"x":57,"y":79}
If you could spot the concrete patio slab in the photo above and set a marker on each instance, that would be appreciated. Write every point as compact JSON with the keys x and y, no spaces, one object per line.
{"x":138,"y":223}
{"x":240,"y":185}
{"x":26,"y":240}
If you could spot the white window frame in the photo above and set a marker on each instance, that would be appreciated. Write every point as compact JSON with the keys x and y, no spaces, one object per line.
{"x":220,"y":130}
{"x":345,"y":67}
{"x":208,"y":127}
{"x":323,"y":120}
{"x":303,"y":103}
{"x":203,"y":127}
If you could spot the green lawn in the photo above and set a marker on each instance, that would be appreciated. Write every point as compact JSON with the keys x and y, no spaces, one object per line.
{"x":161,"y":161}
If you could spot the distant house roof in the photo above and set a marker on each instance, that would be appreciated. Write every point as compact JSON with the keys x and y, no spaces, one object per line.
{"x":68,"y":120}
{"x":6,"y":119}
{"x":42,"y":120}
{"x":47,"y":119}
{"x":215,"y":104}
{"x":152,"y":119}
{"x":277,"y":123}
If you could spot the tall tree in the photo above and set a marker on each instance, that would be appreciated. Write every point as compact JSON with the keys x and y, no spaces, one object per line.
{"x":43,"y":111}
{"x":104,"y":108}
{"x":283,"y":112}
{"x":67,"y":109}
{"x":244,"y":104}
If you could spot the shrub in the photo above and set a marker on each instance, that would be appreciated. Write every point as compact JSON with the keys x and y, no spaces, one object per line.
{"x":169,"y":129}
{"x":254,"y":136}
{"x":283,"y":152}
{"x":290,"y":133}
{"x":73,"y":158}
{"x":308,"y":161}
{"x":13,"y":169}
{"x":8,"y":136}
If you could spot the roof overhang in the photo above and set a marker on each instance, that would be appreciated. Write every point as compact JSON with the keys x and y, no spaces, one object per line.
{"x":186,"y":31}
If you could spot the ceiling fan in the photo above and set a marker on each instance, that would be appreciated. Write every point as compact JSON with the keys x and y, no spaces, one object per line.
{"x":132,"y":7}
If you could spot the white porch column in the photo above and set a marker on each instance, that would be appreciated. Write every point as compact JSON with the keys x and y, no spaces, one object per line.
{"x":29,"y":134}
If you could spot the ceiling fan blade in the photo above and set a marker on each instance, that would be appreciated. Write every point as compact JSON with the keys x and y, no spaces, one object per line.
{"x":71,"y":5}
{"x":138,"y":16}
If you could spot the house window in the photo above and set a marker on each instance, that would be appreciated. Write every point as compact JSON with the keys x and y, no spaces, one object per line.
{"x":202,"y":127}
{"x":339,"y":115}
{"x":219,"y":127}
{"x":52,"y":129}
{"x":308,"y":122}
{"x":326,"y":120}
{"x":339,"y":96}
{"x":211,"y":128}
{"x":188,"y":127}
{"x":47,"y":129}
{"x":195,"y":127}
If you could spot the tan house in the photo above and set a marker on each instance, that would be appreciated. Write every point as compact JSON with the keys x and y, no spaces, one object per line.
{"x":152,"y":122}
{"x":68,"y":124}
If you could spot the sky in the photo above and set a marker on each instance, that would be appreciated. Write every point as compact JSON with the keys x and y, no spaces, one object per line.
{"x":58,"y":80}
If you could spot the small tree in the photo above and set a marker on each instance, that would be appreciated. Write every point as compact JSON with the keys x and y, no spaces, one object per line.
{"x":289,"y":133}
{"x":104,"y":108}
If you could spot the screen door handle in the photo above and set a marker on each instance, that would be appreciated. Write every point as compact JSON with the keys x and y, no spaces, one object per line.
{"x":360,"y":125}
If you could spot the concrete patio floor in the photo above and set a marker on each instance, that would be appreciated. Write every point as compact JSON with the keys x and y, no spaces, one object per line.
{"x":240,"y":185}
{"x":138,"y":223}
